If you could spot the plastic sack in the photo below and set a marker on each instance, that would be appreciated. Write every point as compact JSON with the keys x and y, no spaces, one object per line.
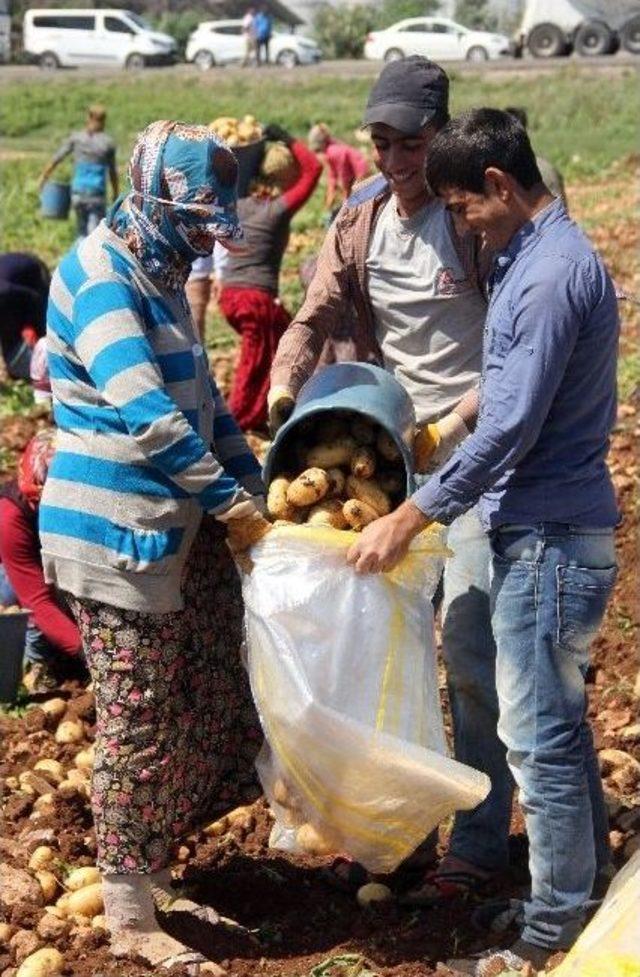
{"x":343,"y":673}
{"x":610,"y":945}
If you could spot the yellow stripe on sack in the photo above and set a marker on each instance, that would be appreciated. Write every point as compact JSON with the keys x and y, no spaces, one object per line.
{"x":598,"y":964}
{"x":392,"y":677}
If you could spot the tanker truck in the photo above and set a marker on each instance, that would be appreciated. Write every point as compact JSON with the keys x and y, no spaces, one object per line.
{"x":551,"y":28}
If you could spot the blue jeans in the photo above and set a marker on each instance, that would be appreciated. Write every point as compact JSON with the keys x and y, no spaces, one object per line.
{"x":89,"y":213}
{"x":480,"y":836}
{"x":550,"y":588}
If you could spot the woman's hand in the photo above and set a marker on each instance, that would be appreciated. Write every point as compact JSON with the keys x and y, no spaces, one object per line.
{"x":384,"y":543}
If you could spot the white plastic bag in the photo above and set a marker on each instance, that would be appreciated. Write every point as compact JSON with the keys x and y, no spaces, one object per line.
{"x":610,"y":945}
{"x":343,"y":672}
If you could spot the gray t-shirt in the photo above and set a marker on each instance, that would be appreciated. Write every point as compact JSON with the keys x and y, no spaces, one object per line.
{"x":94,"y":157}
{"x":429,"y":315}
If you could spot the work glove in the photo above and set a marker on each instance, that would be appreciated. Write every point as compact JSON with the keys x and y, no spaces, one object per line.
{"x":276,"y":133}
{"x":280,"y":404}
{"x":435,"y":443}
{"x":246,"y":525}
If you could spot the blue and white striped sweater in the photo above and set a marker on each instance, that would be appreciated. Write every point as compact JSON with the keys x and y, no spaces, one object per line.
{"x":138,"y":416}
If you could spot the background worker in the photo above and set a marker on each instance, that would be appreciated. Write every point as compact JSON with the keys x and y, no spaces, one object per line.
{"x":343,"y":166}
{"x":52,"y":636}
{"x":24,"y":287}
{"x":263,"y":25}
{"x":536,"y":462}
{"x":249,"y":35}
{"x":394,"y":267}
{"x":250,"y":281}
{"x":94,"y":159}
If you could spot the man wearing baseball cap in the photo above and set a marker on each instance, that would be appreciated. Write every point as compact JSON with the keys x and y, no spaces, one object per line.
{"x":394,"y":263}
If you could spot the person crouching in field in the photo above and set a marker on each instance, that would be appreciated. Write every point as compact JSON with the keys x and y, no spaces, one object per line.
{"x":52,"y":639}
{"x":344,"y":166}
{"x":537,"y":463}
{"x":151,"y":476}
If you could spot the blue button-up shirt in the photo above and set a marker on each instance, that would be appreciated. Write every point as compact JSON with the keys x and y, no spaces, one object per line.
{"x":548,"y":394}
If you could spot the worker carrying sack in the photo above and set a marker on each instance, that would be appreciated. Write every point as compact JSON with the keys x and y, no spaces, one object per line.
{"x":343,"y":673}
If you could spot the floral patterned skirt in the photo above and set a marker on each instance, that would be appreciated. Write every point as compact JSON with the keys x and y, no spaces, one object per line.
{"x":177,"y":733}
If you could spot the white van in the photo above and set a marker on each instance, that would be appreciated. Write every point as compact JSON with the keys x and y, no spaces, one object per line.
{"x":68,"y":37}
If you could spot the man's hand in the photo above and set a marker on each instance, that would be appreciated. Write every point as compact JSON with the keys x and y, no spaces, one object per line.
{"x":384,"y":543}
{"x":246,"y":526}
{"x":280,"y":403}
{"x":435,"y":443}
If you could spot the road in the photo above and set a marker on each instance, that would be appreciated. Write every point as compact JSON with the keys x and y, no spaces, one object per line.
{"x":341,"y":69}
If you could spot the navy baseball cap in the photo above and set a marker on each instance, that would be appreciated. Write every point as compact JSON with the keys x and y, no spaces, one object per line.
{"x":408,"y":95}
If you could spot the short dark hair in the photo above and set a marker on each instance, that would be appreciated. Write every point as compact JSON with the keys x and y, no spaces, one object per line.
{"x":519,"y":113}
{"x":474,"y":141}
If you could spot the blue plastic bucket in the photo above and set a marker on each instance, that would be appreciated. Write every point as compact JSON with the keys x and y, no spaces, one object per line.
{"x":13,"y":629}
{"x":363,"y":388}
{"x":55,"y":200}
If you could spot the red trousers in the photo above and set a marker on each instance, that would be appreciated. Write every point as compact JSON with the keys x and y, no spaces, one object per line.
{"x":260,"y":320}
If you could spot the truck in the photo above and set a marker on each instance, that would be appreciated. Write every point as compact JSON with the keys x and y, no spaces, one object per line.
{"x":551,"y":28}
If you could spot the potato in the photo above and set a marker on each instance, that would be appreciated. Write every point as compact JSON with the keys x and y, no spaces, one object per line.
{"x":99,"y":922}
{"x":308,"y":488}
{"x":331,"y":454}
{"x":313,"y":841}
{"x":44,"y":804}
{"x":30,"y":781}
{"x":363,"y":431}
{"x":367,"y":490}
{"x":393,"y":483}
{"x":284,"y":795}
{"x":69,"y":731}
{"x":337,"y":482}
{"x":47,"y":962}
{"x":62,"y":904}
{"x":241,"y":815}
{"x":78,"y":878}
{"x":41,"y":858}
{"x":51,"y":770}
{"x":327,"y":513}
{"x":358,"y":514}
{"x":48,"y":884}
{"x":216,"y":828}
{"x":85,"y":759}
{"x":55,"y":708}
{"x":363,"y":462}
{"x":277,"y":504}
{"x":387,"y":447}
{"x":373,"y":892}
{"x":76,"y":777}
{"x":86,"y":901}
{"x":6,"y":932}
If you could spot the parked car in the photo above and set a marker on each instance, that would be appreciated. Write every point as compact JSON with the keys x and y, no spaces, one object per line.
{"x":69,"y":37}
{"x":436,"y":38}
{"x":219,"y":42}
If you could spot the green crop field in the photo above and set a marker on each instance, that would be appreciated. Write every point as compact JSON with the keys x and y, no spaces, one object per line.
{"x":583,"y":121}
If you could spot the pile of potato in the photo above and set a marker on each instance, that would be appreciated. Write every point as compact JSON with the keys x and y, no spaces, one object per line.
{"x":343,"y":471}
{"x":237,"y":132}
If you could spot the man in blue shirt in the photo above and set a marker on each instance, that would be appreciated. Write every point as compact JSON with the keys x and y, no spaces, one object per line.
{"x":94,"y":159}
{"x":536,"y":463}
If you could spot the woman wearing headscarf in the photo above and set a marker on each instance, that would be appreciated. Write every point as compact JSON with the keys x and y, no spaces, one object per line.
{"x":147,"y":449}
{"x":52,"y":637}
